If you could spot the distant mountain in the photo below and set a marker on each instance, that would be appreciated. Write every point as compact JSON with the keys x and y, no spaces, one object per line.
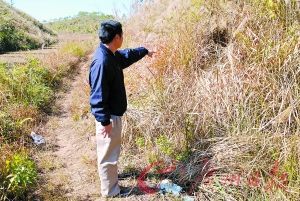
{"x":83,"y":22}
{"x":19,"y":31}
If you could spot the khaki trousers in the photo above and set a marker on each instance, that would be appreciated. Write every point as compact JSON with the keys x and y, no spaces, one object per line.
{"x":108,"y":152}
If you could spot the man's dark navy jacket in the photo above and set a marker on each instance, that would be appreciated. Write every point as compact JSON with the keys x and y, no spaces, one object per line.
{"x":106,"y":79}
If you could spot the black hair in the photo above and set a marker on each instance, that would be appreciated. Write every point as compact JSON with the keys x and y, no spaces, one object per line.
{"x":108,"y":30}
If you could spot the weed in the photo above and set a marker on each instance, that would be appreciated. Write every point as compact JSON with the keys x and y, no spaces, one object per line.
{"x":21,"y":175}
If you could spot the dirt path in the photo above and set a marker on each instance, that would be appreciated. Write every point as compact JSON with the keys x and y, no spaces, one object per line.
{"x":67,"y":162}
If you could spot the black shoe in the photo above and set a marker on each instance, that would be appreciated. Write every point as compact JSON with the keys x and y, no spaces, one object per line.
{"x":124,"y":192}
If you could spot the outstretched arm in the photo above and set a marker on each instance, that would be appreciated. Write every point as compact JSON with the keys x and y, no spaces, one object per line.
{"x":130,"y":56}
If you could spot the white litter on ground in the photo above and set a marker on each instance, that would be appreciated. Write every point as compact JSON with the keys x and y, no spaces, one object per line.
{"x":37,"y":139}
{"x":168,"y":186}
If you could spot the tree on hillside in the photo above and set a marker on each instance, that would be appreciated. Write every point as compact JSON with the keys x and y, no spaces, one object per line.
{"x":83,"y":22}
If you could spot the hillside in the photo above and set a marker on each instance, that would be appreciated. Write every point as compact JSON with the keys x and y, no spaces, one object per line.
{"x":19,"y":31}
{"x":221,"y":97}
{"x":83,"y":22}
{"x":216,"y":110}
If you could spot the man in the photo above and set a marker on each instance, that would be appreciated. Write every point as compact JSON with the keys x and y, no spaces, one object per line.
{"x":108,"y":101}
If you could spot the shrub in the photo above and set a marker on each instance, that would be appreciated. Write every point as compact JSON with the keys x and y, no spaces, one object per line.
{"x":165,"y":145}
{"x":75,"y":52}
{"x":13,"y":39}
{"x":20,"y":175}
{"x":75,"y":49}
{"x":7,"y":127}
{"x":29,"y":84}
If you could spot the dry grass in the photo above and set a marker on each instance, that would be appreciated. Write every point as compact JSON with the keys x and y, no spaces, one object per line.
{"x":224,"y":86}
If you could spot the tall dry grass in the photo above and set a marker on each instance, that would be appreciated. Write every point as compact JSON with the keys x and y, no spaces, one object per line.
{"x":222,"y":91}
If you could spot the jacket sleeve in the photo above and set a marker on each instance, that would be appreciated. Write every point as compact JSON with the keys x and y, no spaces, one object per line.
{"x":99,"y":78}
{"x":130,"y":56}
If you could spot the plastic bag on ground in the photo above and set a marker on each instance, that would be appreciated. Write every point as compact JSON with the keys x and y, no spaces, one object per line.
{"x":37,"y":139}
{"x":168,"y":186}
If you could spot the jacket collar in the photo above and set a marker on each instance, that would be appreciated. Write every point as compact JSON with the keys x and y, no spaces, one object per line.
{"x":103,"y":47}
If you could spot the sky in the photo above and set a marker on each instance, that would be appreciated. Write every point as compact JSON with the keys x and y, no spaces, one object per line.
{"x":46,"y":10}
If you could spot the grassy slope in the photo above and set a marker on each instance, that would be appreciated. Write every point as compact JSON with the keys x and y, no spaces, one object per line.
{"x":18,"y":31}
{"x":84,"y":22}
{"x":223,"y":95}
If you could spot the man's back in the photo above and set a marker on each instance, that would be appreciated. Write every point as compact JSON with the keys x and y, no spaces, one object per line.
{"x":108,"y":100}
{"x":108,"y":94}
